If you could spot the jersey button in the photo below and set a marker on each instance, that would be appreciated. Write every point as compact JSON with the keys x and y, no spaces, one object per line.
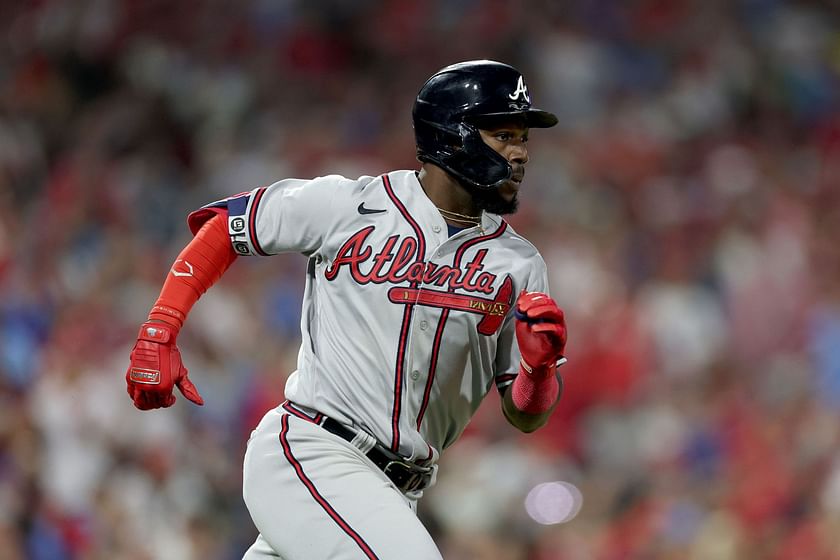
{"x":424,"y":325}
{"x":415,"y":375}
{"x":436,"y":229}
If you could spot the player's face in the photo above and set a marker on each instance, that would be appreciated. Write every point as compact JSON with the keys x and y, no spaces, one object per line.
{"x":509,"y":139}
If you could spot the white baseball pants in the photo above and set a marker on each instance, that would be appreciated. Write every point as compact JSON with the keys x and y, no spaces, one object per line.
{"x":314,"y":496}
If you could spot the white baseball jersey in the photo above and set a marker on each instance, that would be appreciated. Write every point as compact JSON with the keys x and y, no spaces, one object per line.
{"x":404,"y":328}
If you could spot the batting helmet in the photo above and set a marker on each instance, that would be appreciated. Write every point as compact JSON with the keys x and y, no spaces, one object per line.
{"x":452,"y":102}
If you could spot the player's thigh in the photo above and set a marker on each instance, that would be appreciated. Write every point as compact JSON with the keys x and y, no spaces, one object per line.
{"x":312,"y":496}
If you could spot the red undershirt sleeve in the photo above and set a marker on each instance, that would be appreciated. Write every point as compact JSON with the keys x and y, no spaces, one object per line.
{"x":200,"y":265}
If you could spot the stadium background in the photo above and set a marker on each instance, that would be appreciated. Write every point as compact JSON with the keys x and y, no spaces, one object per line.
{"x":688,"y":207}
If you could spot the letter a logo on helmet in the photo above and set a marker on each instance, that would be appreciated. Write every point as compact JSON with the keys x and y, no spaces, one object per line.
{"x":521,"y":89}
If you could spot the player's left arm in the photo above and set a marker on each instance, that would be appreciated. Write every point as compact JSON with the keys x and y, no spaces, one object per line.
{"x":541,"y":335}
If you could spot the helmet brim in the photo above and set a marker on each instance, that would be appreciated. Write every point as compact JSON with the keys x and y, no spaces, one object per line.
{"x":534,"y":118}
{"x":537,"y":118}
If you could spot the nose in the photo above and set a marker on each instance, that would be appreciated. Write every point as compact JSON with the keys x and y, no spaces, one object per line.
{"x":518,"y":153}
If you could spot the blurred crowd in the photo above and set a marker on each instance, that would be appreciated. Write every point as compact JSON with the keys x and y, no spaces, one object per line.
{"x":688,"y":208}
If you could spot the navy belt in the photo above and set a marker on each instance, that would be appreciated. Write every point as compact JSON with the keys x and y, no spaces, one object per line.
{"x":404,"y":474}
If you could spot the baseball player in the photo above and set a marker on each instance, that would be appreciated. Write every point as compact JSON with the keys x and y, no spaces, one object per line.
{"x":419,"y":298}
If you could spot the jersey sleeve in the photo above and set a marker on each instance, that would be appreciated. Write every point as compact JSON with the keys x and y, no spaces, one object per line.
{"x":287,"y":216}
{"x":508,"y":355}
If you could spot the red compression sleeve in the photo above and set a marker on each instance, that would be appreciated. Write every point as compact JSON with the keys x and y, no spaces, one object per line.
{"x":535,"y":394}
{"x":199,"y":266}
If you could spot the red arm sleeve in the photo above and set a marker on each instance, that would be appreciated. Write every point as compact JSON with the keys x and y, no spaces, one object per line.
{"x":200,"y":265}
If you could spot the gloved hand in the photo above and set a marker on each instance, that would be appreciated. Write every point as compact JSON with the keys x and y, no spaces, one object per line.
{"x":155,"y":368}
{"x":540,"y":332}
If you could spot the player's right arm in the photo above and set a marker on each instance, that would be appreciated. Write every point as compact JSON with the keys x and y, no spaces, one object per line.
{"x":155,"y":366}
{"x":285,"y":216}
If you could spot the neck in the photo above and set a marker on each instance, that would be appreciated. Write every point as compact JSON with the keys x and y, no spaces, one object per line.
{"x":447,"y":194}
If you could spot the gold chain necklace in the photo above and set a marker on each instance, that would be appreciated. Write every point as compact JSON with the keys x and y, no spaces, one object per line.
{"x":461,"y":218}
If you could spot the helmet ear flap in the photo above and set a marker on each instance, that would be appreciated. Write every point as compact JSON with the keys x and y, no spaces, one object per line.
{"x":464,"y":155}
{"x":476,"y":163}
{"x":434,"y":143}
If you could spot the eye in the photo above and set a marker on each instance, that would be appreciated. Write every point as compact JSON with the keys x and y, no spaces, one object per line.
{"x":503,"y":136}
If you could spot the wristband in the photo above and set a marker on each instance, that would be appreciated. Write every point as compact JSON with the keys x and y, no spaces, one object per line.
{"x":529,"y":370}
{"x":534,"y":395}
{"x":168,"y":315}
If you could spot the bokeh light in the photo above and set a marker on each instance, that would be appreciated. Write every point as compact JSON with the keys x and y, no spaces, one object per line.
{"x":551,"y":503}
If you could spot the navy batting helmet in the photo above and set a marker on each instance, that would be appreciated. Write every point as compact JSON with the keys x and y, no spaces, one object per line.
{"x":452,"y":102}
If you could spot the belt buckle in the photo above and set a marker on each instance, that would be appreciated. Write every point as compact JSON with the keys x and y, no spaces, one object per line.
{"x":416,"y":476}
{"x":393,"y":462}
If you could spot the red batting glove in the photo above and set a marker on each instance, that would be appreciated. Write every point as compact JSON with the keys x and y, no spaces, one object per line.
{"x":541,"y":335}
{"x":540,"y":332}
{"x":155,"y":368}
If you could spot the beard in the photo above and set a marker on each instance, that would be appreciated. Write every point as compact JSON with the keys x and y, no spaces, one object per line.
{"x":491,"y":201}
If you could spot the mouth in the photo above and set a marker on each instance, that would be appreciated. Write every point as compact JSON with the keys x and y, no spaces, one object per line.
{"x":518,"y":176}
{"x":512,"y":187}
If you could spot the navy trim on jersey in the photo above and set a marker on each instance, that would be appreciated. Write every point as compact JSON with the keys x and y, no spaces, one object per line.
{"x":444,"y":316}
{"x":289,"y":407}
{"x":236,"y":205}
{"x":252,"y":221}
{"x":399,"y":369}
{"x":313,"y":491}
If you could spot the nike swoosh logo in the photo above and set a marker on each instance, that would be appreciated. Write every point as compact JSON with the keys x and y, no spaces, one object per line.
{"x":362,"y":210}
